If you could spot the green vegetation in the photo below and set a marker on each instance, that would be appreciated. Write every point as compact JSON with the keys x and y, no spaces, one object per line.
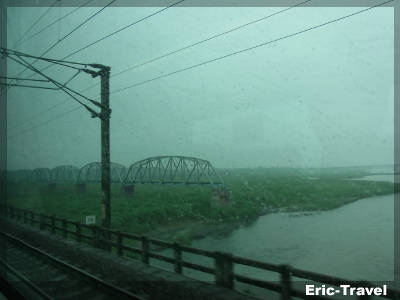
{"x":253,"y":192}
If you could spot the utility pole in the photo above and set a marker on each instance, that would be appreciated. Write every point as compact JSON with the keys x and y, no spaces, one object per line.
{"x":105,"y":115}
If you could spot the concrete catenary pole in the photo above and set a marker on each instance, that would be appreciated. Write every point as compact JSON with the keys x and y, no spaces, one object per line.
{"x":105,"y":146}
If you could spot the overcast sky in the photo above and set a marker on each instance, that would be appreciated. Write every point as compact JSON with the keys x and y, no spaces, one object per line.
{"x":322,"y":98}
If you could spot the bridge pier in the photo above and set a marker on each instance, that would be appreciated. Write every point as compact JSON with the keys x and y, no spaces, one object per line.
{"x":52,"y":186}
{"x":81,"y":187}
{"x":129,"y":189}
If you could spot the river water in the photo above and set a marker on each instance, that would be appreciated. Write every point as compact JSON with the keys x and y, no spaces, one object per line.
{"x":355,"y":241}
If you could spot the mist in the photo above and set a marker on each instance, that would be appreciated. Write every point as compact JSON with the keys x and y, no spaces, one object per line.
{"x":322,"y":98}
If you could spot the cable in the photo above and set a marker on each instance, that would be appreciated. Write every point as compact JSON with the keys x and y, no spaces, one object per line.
{"x":202,"y":41}
{"x":23,"y":79}
{"x":246,"y":49}
{"x":207,"y":39}
{"x":181,"y":49}
{"x":65,"y":89}
{"x":44,"y":123}
{"x":54,"y":22}
{"x":34,"y":23}
{"x":33,"y":86}
{"x":125,"y":27}
{"x":121,"y":29}
{"x":28,"y":86}
{"x":62,"y":87}
{"x":68,"y":34}
{"x":228,"y":55}
{"x":73,"y":76}
{"x":10,"y":51}
{"x":113,"y":33}
{"x":44,"y":111}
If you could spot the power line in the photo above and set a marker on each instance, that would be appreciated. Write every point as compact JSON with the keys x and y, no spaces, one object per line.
{"x":219,"y":58}
{"x":63,"y":59}
{"x":34,"y":23}
{"x":121,"y":29}
{"x":61,"y":86}
{"x":28,"y":86}
{"x":68,"y":34}
{"x":246,"y":49}
{"x":207,"y":39}
{"x":23,"y":79}
{"x":77,"y":27}
{"x":54,"y":22}
{"x":44,"y":123}
{"x":114,"y":32}
{"x":202,"y":41}
{"x":44,"y":111}
{"x":64,"y":87}
{"x":52,"y":60}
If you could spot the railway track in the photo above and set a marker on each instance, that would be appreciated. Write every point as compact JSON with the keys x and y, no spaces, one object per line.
{"x":37,"y":274}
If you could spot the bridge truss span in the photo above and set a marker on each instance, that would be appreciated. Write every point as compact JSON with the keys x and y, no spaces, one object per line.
{"x":65,"y":173}
{"x":91,"y":173}
{"x":173,"y":170}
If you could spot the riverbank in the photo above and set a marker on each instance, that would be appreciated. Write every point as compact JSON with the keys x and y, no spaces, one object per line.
{"x":183,"y":213}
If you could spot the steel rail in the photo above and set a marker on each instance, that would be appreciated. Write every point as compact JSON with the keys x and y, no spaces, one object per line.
{"x":91,"y":279}
{"x":33,"y":287}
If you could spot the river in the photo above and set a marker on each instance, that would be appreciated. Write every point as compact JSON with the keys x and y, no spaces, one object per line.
{"x":355,"y":241}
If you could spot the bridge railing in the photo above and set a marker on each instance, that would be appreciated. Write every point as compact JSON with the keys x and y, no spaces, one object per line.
{"x":128,"y":244}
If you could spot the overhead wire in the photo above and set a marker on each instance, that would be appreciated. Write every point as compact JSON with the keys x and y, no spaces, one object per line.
{"x":229,"y":55}
{"x":11,"y":51}
{"x":43,"y":111}
{"x":44,"y":123}
{"x":28,"y":86}
{"x":23,"y":79}
{"x":115,"y":32}
{"x":35,"y":23}
{"x":121,"y":29}
{"x":64,"y":88}
{"x":68,"y":34}
{"x":246,"y":49}
{"x":180,"y":49}
{"x":208,"y":39}
{"x":54,"y":22}
{"x":63,"y":59}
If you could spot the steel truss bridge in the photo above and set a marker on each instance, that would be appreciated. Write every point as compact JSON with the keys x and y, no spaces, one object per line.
{"x":92,"y":173}
{"x":64,"y":174}
{"x":173,"y":170}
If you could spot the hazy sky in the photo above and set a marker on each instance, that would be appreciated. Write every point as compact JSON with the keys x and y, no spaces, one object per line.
{"x":322,"y":98}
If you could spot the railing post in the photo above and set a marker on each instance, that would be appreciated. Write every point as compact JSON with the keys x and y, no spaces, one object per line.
{"x":24,"y":212}
{"x":12,"y":212}
{"x":32,"y":219}
{"x":285,"y":282}
{"x":106,"y":236}
{"x":224,"y":269}
{"x":78,"y":232}
{"x":53,"y":224}
{"x":95,"y":236}
{"x":42,"y":225}
{"x":64,"y":227}
{"x":100,"y":238}
{"x":120,"y":251}
{"x":18,"y":214}
{"x":177,"y":258}
{"x":145,"y":250}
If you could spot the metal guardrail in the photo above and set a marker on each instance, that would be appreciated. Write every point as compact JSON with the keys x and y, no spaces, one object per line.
{"x":223,"y":271}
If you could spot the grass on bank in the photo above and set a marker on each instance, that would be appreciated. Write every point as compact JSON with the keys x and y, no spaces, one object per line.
{"x":253,"y":192}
